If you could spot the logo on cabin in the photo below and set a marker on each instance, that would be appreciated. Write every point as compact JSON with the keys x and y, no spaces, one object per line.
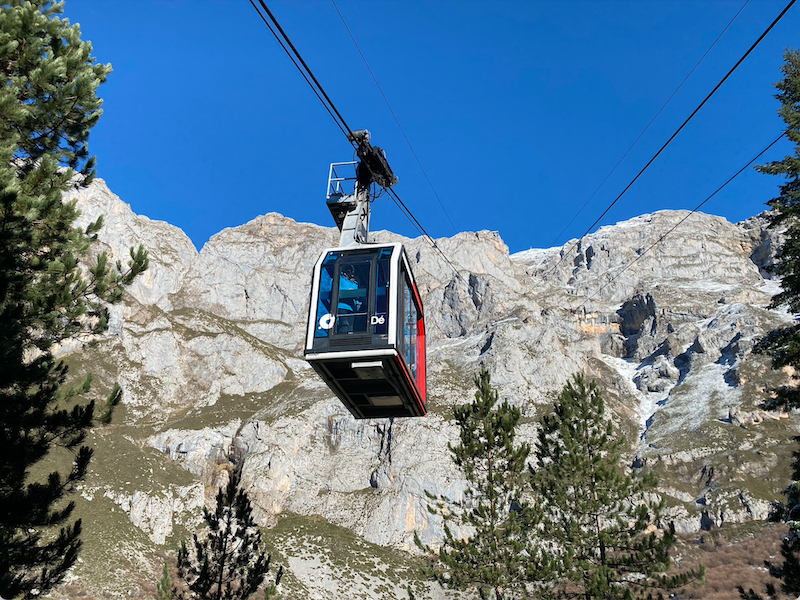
{"x":326,"y":321}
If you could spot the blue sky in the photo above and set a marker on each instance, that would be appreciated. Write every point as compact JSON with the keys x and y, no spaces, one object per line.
{"x":518,"y":110}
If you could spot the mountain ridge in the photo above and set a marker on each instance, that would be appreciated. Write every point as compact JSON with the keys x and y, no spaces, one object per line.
{"x":208,"y":350}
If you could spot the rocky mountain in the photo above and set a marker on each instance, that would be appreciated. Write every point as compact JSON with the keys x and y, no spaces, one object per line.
{"x":663,"y":310}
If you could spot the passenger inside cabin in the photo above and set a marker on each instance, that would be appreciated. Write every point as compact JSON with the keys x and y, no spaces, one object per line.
{"x":347,"y":306}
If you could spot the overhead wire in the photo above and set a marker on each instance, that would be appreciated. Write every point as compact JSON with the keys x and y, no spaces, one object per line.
{"x":674,"y":135}
{"x":337,"y":117}
{"x":396,"y":120}
{"x":636,"y":141}
{"x":689,"y":214}
{"x":294,"y":61}
{"x":416,"y":223}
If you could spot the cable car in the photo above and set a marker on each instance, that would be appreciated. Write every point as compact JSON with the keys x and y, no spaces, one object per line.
{"x":366,"y":326}
{"x":366,"y":331}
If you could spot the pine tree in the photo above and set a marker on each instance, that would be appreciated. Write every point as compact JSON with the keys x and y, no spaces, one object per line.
{"x":49,"y":291}
{"x":229,"y":564}
{"x":497,"y":558}
{"x":783,"y":344}
{"x":164,"y":588}
{"x":596,"y":519}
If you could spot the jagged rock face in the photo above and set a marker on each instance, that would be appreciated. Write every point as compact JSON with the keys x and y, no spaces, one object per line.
{"x":258,"y":275}
{"x":208,"y":351}
{"x":174,"y":250}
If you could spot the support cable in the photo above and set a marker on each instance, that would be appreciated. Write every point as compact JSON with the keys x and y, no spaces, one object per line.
{"x":297,"y":66}
{"x":396,"y":120}
{"x":340,"y":121}
{"x":702,"y":58}
{"x":694,"y":210}
{"x":674,"y":135}
{"x":402,"y":205}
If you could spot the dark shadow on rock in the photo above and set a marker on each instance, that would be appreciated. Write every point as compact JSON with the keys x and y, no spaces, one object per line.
{"x":706,"y":522}
{"x":683,"y":363}
{"x":731,"y":352}
{"x":662,"y":350}
{"x":488,"y":344}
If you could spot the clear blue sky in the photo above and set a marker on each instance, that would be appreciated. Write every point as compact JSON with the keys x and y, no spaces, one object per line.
{"x":517,"y":109}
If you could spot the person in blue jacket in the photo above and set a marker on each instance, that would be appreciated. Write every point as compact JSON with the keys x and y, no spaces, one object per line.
{"x":347,"y":281}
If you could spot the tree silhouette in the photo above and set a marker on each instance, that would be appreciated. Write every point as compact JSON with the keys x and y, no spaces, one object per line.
{"x":229,"y":564}
{"x":783,"y":344}
{"x":50,"y":290}
{"x":498,"y":559}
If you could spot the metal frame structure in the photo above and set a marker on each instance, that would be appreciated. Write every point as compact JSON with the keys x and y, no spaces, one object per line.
{"x":335,"y":181}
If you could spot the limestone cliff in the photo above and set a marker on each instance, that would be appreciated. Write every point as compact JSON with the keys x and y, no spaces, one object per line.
{"x":207,"y":350}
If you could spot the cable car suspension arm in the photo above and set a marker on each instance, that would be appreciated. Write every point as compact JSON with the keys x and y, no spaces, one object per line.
{"x":351,"y":211}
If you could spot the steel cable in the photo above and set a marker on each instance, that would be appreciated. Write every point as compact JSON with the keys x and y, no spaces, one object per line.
{"x":636,"y":141}
{"x":396,"y":120}
{"x":674,"y":135}
{"x":338,"y":119}
{"x":674,"y":227}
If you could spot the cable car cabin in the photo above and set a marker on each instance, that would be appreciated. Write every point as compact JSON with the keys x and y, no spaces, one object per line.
{"x":366,"y":332}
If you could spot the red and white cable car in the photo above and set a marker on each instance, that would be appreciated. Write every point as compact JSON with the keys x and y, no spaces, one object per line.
{"x":366,"y":326}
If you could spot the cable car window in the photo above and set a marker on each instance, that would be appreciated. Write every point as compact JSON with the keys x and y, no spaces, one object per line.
{"x":409,"y":326}
{"x":324,"y":313}
{"x":353,"y":299}
{"x":381,"y":318}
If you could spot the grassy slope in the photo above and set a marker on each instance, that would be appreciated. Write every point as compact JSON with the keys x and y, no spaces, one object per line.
{"x":118,"y":557}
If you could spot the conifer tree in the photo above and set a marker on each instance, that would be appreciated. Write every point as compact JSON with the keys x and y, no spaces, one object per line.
{"x":596,"y":519}
{"x":789,"y":512}
{"x":49,"y":290}
{"x":229,"y":563}
{"x":164,"y":588}
{"x":783,"y":344}
{"x":498,"y":559}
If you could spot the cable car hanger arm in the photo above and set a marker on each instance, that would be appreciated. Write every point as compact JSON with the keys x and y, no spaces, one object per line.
{"x":351,"y":211}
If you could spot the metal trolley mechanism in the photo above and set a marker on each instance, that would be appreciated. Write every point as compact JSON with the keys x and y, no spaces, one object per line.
{"x":366,"y":327}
